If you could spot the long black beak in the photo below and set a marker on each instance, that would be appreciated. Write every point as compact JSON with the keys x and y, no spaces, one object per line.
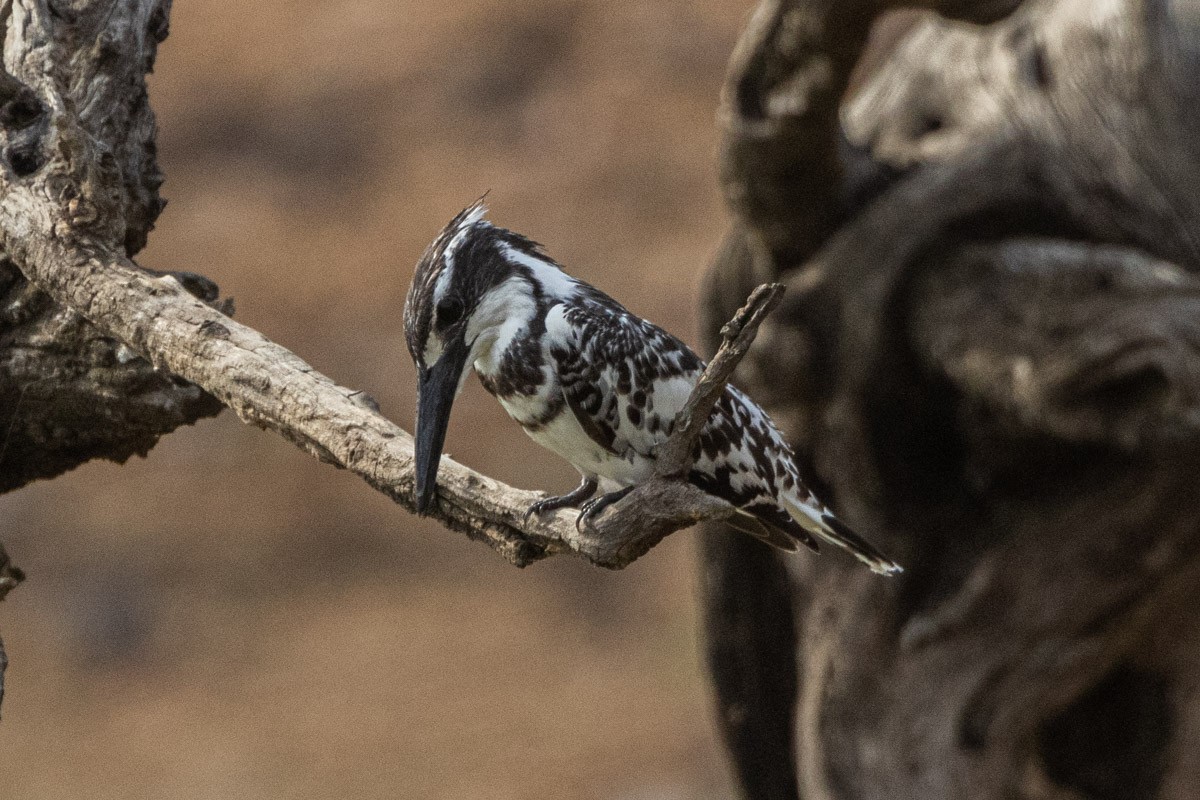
{"x":436,"y":387}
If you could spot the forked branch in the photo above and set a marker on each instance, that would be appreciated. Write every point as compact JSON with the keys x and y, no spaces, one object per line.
{"x":66,"y":228}
{"x":667,"y":502}
{"x":271,"y":387}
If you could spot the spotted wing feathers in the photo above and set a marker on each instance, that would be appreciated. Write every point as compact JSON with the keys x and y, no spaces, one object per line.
{"x":626,"y":380}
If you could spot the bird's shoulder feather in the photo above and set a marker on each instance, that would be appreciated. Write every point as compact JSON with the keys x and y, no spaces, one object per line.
{"x":624,"y":378}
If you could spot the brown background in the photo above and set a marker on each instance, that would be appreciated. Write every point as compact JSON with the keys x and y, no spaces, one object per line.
{"x":228,"y":618}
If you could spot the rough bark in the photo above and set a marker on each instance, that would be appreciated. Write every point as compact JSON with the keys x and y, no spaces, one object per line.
{"x":68,"y":391}
{"x":992,"y":362}
{"x":99,"y":357}
{"x":268,"y":386}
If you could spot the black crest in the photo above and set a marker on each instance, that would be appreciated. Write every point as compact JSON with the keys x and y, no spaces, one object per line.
{"x":470,"y":248}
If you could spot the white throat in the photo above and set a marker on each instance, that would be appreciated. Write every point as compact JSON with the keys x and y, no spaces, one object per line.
{"x":501,"y":318}
{"x":505,"y":313}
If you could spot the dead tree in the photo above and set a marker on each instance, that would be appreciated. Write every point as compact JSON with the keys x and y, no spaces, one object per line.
{"x":989,"y":353}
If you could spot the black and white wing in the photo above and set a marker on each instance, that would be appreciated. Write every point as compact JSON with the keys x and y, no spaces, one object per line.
{"x":626,"y":380}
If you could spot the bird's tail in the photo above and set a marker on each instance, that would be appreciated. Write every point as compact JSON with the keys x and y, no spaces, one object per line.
{"x":820,"y":522}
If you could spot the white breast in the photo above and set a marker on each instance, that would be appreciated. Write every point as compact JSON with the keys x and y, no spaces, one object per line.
{"x":566,"y":437}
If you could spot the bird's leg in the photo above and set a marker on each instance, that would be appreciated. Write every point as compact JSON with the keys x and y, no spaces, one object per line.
{"x":571,"y":499}
{"x":597,"y":504}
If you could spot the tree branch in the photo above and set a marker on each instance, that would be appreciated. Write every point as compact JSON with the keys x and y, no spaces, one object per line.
{"x":667,"y":502}
{"x":266,"y":385}
{"x":68,"y":393}
{"x":65,"y":211}
{"x":675,"y":456}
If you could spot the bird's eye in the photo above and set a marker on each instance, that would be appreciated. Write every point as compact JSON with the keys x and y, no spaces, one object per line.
{"x":449,"y":311}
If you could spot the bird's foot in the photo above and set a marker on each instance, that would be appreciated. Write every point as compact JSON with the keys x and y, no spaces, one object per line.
{"x":593,"y":507}
{"x":571,"y":499}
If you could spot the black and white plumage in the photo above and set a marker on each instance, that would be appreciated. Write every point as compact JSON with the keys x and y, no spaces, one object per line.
{"x":591,"y":382}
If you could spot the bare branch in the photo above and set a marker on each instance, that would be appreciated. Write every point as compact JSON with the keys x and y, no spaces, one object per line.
{"x":667,"y":502}
{"x":675,"y":456}
{"x":60,"y":224}
{"x":68,"y":393}
{"x":269,"y":386}
{"x":64,"y":226}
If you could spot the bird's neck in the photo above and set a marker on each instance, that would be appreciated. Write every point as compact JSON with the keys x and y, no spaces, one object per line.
{"x":509,"y":315}
{"x":509,"y":322}
{"x":545,"y":278}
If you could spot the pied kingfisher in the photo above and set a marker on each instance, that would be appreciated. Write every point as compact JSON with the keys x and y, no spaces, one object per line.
{"x":591,"y":382}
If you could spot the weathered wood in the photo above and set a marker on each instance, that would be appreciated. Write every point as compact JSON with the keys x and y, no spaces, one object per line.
{"x":675,"y":457}
{"x":268,"y":386}
{"x":990,"y":355}
{"x":667,"y":502}
{"x":68,"y":391}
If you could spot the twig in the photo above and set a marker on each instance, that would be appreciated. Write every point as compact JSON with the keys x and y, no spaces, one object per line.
{"x":675,"y":456}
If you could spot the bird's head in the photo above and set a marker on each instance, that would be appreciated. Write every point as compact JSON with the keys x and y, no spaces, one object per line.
{"x":475,"y":285}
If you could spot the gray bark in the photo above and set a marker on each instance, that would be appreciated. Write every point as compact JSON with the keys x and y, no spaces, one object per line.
{"x":992,"y":357}
{"x":70,"y":392}
{"x":989,"y":340}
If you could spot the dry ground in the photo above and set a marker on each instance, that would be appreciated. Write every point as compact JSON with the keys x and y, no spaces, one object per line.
{"x":230,"y":619}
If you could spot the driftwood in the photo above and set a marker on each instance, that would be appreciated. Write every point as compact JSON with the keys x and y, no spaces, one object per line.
{"x":989,"y":355}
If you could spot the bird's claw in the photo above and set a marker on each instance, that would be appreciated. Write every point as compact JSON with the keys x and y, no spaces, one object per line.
{"x":585,"y":515}
{"x":592,"y":508}
{"x":569,"y":500}
{"x":538,"y":507}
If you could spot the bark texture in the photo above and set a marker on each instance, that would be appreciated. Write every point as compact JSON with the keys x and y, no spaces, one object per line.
{"x":75,"y":84}
{"x":990,"y":234}
{"x":268,"y":386}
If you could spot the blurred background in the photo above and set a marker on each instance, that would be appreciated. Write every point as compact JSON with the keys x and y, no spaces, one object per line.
{"x":229,"y":618}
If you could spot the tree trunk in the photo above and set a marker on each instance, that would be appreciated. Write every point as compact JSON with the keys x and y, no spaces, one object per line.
{"x":991,"y":348}
{"x":69,"y":392}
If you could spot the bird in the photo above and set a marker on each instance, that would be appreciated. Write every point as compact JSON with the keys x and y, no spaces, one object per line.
{"x":593,"y":383}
